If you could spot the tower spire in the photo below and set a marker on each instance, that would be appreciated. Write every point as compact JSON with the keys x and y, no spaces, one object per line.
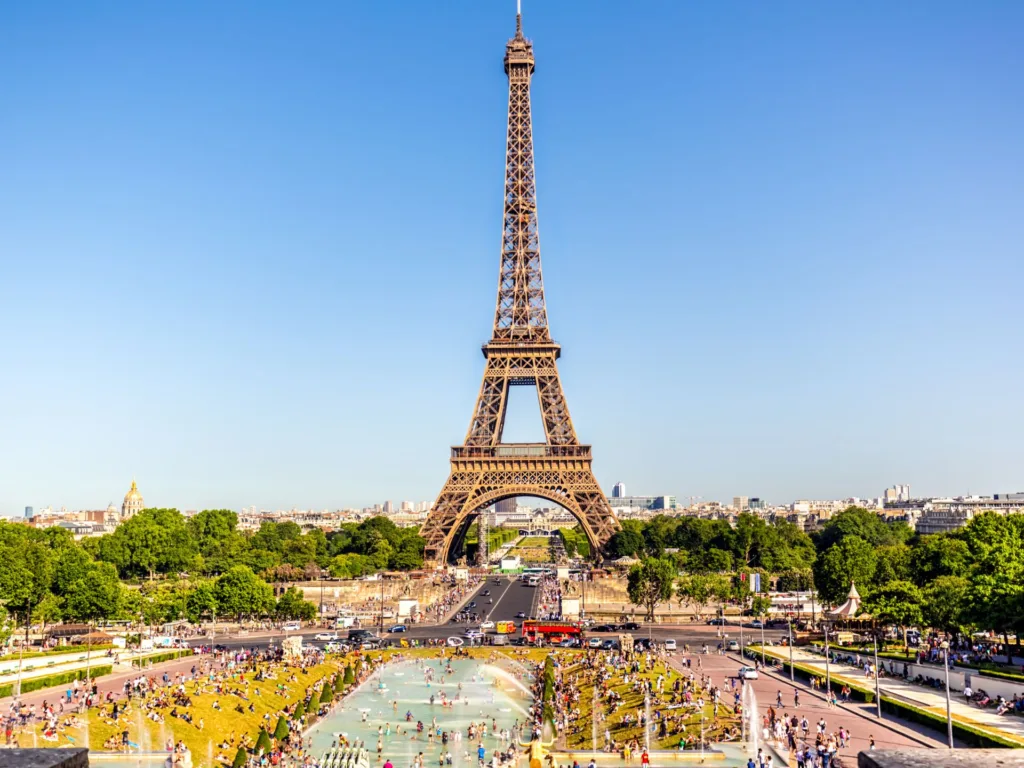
{"x":520,"y":314}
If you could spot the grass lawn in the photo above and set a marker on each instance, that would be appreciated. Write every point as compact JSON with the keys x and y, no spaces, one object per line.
{"x":533,"y":549}
{"x":217,"y":725}
{"x":633,"y":701}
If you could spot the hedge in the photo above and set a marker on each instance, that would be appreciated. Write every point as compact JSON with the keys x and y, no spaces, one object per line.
{"x":168,"y":656}
{"x":48,"y":681}
{"x":67,"y":650}
{"x":970,"y":735}
{"x":984,"y":669}
{"x":548,"y":696}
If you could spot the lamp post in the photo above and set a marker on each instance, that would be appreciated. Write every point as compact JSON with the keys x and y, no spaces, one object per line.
{"x":792,"y":674}
{"x":381,"y":577}
{"x":878,"y":692}
{"x":762,"y":641}
{"x":828,"y":672}
{"x":944,"y":645}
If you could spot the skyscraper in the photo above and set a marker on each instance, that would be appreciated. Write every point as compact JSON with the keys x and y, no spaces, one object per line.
{"x":28,"y":513}
{"x":506,"y":506}
{"x":618,"y":490}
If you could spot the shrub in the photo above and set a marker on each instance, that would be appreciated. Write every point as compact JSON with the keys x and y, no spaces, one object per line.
{"x":240,"y":758}
{"x":281,"y":730}
{"x":263,"y":742}
{"x":38,"y":683}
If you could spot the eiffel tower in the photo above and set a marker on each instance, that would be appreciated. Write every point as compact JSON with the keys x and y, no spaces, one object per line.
{"x":485,"y":470}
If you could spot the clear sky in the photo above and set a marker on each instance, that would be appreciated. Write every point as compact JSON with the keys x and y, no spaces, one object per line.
{"x":248,"y":251}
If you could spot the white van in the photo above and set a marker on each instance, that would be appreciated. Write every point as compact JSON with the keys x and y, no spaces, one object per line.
{"x":292,"y":626}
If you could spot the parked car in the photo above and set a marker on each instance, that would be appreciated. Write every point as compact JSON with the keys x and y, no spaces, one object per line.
{"x":292,"y":626}
{"x":756,"y":624}
{"x":733,"y":645}
{"x":609,"y":644}
{"x":334,"y":647}
{"x":776,"y":624}
{"x":500,"y":640}
{"x":472,"y":604}
{"x":670,"y":645}
{"x":717,"y":621}
{"x":594,"y":642}
{"x":632,"y":626}
{"x":747,"y":673}
{"x":398,"y":628}
{"x":454,"y":642}
{"x":325,"y":636}
{"x":518,"y":641}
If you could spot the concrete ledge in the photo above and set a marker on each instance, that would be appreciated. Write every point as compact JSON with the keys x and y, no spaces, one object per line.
{"x":930,"y":758}
{"x":44,"y":758}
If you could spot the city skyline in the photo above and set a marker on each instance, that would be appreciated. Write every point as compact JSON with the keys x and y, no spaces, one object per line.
{"x":224,"y":264}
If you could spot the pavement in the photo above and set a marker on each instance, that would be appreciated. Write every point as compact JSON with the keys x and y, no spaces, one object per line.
{"x":926,"y":698}
{"x":887,"y":733}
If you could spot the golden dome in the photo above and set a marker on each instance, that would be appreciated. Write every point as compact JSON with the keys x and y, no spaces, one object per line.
{"x":133,"y":494}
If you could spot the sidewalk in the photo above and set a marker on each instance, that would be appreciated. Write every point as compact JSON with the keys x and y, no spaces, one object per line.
{"x":916,"y":695}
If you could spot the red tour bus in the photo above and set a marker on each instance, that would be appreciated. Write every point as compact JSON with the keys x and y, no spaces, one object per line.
{"x":538,"y":632}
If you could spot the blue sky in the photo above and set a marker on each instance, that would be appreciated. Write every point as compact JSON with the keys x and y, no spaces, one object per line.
{"x":249,"y":250}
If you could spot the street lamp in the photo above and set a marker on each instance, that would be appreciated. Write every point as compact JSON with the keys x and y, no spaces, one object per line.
{"x":944,"y":645}
{"x":792,"y":674}
{"x":878,"y":692}
{"x":828,"y":673}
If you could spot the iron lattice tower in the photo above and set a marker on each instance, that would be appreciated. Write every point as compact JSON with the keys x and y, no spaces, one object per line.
{"x":521,"y":352}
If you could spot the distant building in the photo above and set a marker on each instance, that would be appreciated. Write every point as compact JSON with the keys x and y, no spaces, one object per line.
{"x":28,"y":513}
{"x":407,"y":506}
{"x":740,"y":503}
{"x":389,"y":507}
{"x":506,"y":506}
{"x":641,"y":506}
{"x":133,"y":503}
{"x":897,"y":493}
{"x":756,"y":503}
{"x":619,"y":491}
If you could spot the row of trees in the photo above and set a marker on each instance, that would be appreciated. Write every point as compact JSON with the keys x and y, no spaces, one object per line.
{"x":163,"y":541}
{"x":207,"y":566}
{"x":958,"y":582}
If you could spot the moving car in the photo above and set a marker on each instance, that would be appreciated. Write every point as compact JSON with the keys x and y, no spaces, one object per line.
{"x":325,"y":636}
{"x":747,"y":673}
{"x":472,"y":604}
{"x":756,"y":624}
{"x":486,"y":593}
{"x":454,"y":642}
{"x":605,"y":628}
{"x":670,"y":645}
{"x":521,"y":615}
{"x":717,"y":621}
{"x":472,"y":634}
{"x":733,"y":645}
{"x":486,"y":625}
{"x":631,"y":625}
{"x":292,"y":626}
{"x":398,"y":628}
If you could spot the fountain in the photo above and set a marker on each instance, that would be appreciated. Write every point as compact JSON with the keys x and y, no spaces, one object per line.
{"x":647,"y":719}
{"x":751,"y":720}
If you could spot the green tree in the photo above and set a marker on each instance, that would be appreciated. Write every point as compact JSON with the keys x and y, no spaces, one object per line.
{"x":897,"y":602}
{"x":893,"y":563}
{"x":350,"y":675}
{"x":281,"y":730}
{"x":292,"y":605}
{"x":863,"y":524}
{"x":240,"y":593}
{"x":939,"y":555}
{"x":946,"y":604}
{"x":760,"y":606}
{"x":263,"y":745}
{"x":201,"y":601}
{"x":699,"y":590}
{"x":300,"y":711}
{"x":650,"y":583}
{"x":96,"y":595}
{"x":27,"y":573}
{"x":241,"y":756}
{"x":851,"y":560}
{"x":628,"y":542}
